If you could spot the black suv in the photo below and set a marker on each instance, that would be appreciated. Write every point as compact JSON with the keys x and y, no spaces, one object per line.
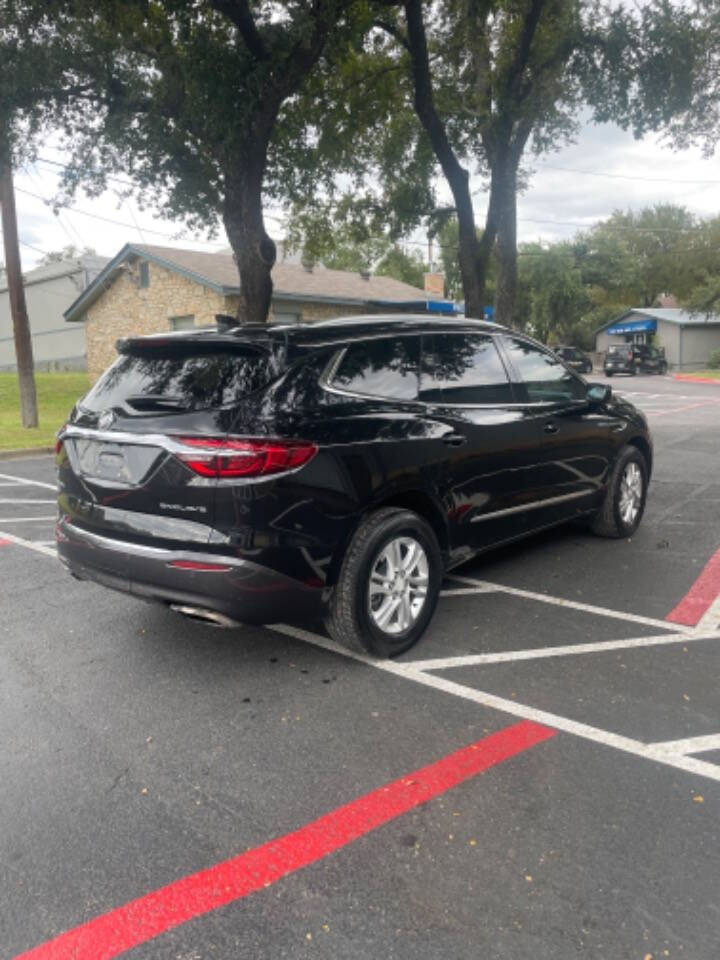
{"x":633,"y":357}
{"x":334,"y":470}
{"x":575,"y":358}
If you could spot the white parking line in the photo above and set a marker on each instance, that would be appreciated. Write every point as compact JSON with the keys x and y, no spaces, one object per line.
{"x":710,"y":620}
{"x":21,"y":481}
{"x":469,"y":591}
{"x":30,"y":544}
{"x":509,"y":656}
{"x":26,"y":519}
{"x":18,"y":500}
{"x":573,"y":604}
{"x":689,"y":745}
{"x":409,"y":672}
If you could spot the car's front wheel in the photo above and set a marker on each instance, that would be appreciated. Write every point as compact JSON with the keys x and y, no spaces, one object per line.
{"x":624,"y":502}
{"x":388,"y":584}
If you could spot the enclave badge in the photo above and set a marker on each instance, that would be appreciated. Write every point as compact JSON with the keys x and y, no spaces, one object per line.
{"x":106,"y":420}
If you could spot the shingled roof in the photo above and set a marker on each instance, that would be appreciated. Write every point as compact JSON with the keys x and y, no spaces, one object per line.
{"x":290,"y":281}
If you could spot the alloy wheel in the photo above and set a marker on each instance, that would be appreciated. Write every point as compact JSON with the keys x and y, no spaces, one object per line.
{"x":631,"y":493}
{"x":398,"y":586}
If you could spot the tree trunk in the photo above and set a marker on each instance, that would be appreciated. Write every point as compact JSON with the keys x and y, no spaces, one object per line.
{"x":254,"y":250}
{"x":473,"y":262}
{"x":504,"y":193}
{"x":16,"y":292}
{"x":472,"y":258}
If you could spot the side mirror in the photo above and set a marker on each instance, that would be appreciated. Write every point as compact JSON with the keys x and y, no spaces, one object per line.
{"x":598,"y":393}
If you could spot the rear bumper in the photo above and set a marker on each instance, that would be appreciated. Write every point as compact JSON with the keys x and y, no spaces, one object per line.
{"x":240,"y":589}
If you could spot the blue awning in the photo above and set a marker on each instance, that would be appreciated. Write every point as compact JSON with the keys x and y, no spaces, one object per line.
{"x":634,"y":326}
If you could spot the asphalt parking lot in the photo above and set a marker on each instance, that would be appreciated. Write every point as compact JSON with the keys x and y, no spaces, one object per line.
{"x":539,"y":778}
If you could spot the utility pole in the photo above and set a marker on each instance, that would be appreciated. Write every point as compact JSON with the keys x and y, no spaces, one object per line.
{"x":16,"y":292}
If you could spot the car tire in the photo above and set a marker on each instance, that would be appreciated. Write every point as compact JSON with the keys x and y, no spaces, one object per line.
{"x":663,"y":369}
{"x":608,"y":373}
{"x":633,"y":371}
{"x":356,"y":612}
{"x":624,"y":503}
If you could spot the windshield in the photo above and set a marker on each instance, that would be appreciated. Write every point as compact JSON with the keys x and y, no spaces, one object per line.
{"x":179,"y":379}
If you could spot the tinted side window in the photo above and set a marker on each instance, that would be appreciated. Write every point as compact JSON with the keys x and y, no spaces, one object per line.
{"x":380,"y":368}
{"x":546,"y":379}
{"x":463,"y":368}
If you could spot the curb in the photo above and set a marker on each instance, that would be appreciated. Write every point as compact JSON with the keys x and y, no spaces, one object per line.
{"x":26,"y":452}
{"x":690,"y":379}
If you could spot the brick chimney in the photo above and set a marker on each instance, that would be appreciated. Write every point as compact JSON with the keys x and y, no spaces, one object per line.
{"x":435,"y":285}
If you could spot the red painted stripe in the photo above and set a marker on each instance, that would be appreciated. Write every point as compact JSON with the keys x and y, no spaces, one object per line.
{"x":142,"y":919}
{"x":701,"y":595}
{"x":690,"y":379}
{"x":4,"y":542}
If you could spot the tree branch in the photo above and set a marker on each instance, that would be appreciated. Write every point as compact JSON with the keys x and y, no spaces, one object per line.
{"x":238,"y":12}
{"x":520,"y":60}
{"x":393,"y":30}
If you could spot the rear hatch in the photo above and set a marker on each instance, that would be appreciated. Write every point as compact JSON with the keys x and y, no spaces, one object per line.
{"x":619,"y":354}
{"x":123,"y":468}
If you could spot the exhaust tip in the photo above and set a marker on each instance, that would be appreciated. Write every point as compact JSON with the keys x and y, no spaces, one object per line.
{"x":212,"y":617}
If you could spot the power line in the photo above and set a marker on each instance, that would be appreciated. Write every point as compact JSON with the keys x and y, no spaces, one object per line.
{"x":97,"y":216}
{"x":129,"y":183}
{"x":624,"y":176}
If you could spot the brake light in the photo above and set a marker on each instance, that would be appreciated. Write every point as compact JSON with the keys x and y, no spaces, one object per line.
{"x":59,"y":440}
{"x":225,"y":459}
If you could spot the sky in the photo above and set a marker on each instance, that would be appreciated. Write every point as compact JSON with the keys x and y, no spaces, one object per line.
{"x":569,"y":190}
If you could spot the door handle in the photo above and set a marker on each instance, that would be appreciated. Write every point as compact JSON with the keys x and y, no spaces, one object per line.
{"x":455,"y":439}
{"x":550,"y":427}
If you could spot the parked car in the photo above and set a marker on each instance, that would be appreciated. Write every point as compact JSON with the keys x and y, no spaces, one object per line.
{"x":633,"y":357}
{"x":575,"y":358}
{"x":337,"y":469}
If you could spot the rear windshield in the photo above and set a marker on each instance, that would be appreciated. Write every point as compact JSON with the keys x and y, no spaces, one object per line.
{"x":620,"y":348}
{"x":169,"y":379}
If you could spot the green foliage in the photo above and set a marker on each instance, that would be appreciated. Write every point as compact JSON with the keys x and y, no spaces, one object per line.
{"x":70,"y":252}
{"x":449,"y":245}
{"x":408,"y":267}
{"x":714,"y":361}
{"x":656,"y":68}
{"x":556,"y":298}
{"x":634,"y":257}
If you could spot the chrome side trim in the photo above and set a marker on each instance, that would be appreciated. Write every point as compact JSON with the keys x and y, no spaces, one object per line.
{"x":533,"y":505}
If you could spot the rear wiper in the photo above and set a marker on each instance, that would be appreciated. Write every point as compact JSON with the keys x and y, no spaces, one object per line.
{"x":156,"y":401}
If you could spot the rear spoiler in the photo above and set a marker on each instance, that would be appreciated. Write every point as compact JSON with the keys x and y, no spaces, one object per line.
{"x":179,"y":344}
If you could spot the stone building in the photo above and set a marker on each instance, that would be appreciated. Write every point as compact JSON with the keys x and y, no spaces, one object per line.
{"x":149,"y":289}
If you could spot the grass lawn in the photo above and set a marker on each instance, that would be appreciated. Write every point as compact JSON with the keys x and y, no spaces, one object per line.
{"x":56,"y":394}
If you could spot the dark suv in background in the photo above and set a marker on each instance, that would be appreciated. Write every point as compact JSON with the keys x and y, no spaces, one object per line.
{"x":336,"y":470}
{"x":633,"y":358}
{"x":575,"y":358}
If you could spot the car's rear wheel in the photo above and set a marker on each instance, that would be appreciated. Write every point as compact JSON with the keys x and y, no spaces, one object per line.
{"x":388,"y":584}
{"x":624,"y":503}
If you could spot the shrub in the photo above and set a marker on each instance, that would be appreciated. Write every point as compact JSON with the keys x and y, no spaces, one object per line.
{"x":714,"y":361}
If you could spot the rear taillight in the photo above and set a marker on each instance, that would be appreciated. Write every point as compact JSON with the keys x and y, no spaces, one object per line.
{"x":59,"y":440}
{"x":225,"y":459}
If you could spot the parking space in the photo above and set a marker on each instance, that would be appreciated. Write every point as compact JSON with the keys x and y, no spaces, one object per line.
{"x":537,"y":779}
